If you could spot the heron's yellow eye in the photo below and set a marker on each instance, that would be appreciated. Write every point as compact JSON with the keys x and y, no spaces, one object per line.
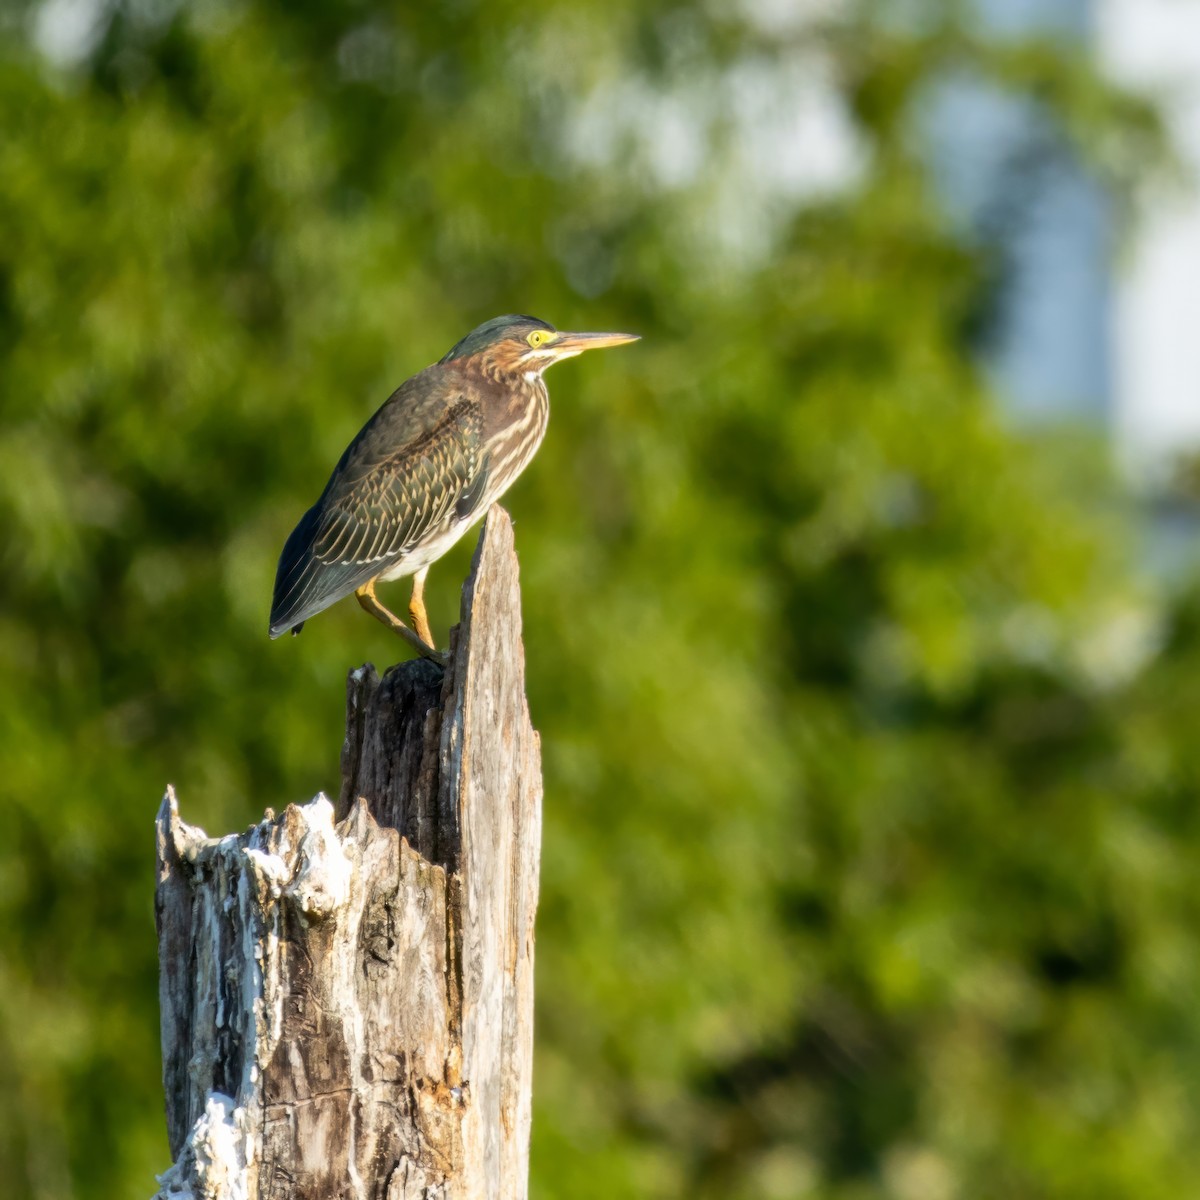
{"x":539,"y":337}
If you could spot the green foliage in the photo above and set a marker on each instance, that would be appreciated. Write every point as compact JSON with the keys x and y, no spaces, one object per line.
{"x":869,"y":834}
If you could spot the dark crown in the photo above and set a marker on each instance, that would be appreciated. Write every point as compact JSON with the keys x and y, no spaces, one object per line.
{"x":498,"y":329}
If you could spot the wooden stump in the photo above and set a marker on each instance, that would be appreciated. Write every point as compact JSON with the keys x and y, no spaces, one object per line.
{"x":347,"y":996}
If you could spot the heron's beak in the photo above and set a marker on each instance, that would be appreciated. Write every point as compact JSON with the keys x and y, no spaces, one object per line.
{"x":568,"y":344}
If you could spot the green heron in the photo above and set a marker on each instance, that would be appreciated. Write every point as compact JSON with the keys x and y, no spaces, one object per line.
{"x":424,"y":469}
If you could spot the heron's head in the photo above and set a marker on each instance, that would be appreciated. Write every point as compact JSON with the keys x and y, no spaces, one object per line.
{"x":524,"y":344}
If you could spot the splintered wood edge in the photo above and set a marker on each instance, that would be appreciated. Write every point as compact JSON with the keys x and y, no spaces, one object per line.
{"x":494,"y":561}
{"x":176,"y":840}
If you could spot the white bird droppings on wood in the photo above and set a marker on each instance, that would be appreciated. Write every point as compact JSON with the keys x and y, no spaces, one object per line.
{"x":322,"y":883}
{"x":213,"y":1164}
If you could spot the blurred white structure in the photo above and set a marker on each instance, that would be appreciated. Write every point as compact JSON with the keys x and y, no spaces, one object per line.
{"x":1077,"y":334}
{"x":1154,"y":45}
{"x":1011,"y":180}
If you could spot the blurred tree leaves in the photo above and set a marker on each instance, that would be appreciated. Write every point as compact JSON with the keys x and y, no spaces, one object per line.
{"x":869,"y":822}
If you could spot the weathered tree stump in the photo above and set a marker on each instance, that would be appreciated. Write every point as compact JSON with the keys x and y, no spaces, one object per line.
{"x":347,"y":997}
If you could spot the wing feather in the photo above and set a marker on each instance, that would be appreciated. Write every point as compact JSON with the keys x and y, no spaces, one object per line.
{"x":376,"y":509}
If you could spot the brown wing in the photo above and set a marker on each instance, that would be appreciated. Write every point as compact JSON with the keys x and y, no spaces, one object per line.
{"x":382,"y":500}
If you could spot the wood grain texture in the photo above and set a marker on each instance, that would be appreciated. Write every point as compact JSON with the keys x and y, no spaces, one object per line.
{"x":347,"y":996}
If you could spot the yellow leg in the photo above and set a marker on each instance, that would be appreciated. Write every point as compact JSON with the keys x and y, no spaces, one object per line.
{"x":367,"y":598}
{"x":416,"y":609}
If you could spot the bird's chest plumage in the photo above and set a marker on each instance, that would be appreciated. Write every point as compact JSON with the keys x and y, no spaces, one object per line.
{"x":514,"y":432}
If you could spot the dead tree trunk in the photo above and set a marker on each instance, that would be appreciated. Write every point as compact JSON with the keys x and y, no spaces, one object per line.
{"x":347,"y":997}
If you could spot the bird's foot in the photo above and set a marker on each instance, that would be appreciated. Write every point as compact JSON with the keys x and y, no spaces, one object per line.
{"x":422,"y":647}
{"x":441,"y":657}
{"x":367,"y":598}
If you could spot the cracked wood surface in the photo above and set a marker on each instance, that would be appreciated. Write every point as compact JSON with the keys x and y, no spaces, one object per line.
{"x":347,"y":996}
